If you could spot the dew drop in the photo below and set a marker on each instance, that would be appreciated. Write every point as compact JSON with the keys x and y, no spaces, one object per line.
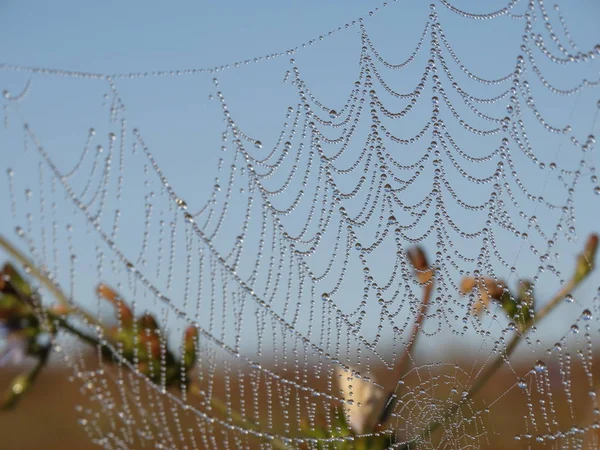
{"x":540,"y":366}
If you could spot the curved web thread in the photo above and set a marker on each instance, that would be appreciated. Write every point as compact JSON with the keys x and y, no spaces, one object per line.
{"x":302,"y":243}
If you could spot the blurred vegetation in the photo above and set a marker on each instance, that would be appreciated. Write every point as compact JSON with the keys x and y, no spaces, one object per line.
{"x":30,"y":328}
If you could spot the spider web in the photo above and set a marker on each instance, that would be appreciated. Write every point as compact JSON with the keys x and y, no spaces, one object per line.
{"x":289,"y":253}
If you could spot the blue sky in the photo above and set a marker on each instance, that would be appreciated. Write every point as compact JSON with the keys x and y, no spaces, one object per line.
{"x":182,"y":124}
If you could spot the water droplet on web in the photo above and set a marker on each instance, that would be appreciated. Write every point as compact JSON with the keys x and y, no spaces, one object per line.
{"x":258,"y":144}
{"x":586,"y":315}
{"x":569,"y":298}
{"x":540,"y":366}
{"x":333,"y":113}
{"x":521,"y":383}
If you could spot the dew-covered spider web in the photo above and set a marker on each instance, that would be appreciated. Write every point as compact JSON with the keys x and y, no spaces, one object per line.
{"x":276,"y":218}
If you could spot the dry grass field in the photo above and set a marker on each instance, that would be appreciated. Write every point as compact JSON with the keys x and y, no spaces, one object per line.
{"x":47,"y":420}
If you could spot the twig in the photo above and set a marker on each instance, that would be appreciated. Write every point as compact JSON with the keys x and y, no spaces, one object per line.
{"x":23,"y":383}
{"x":66,"y":326}
{"x":42,"y":278}
{"x":424,"y":274}
{"x":400,"y":368}
{"x":215,"y":403}
{"x":484,"y":377}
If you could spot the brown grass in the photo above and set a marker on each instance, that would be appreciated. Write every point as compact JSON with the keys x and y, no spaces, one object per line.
{"x":47,"y":419}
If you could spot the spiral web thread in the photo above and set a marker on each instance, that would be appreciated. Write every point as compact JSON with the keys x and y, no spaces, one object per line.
{"x":292,"y":231}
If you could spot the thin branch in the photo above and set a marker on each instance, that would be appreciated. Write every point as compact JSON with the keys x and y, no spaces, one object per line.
{"x":425,"y":275}
{"x":60,"y":296}
{"x":484,"y":377}
{"x":400,"y":368}
{"x":64,"y":324}
{"x":21,"y":384}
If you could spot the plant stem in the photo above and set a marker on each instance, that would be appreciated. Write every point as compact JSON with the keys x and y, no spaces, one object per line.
{"x":33,"y":270}
{"x":66,"y":326}
{"x":216,"y":403}
{"x":484,"y":377}
{"x":23,"y":383}
{"x":400,"y":368}
{"x":42,"y":278}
